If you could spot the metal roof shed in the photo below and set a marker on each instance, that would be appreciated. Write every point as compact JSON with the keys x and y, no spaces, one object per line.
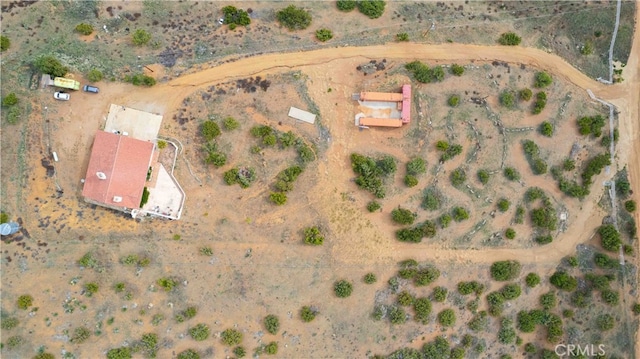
{"x":301,"y":115}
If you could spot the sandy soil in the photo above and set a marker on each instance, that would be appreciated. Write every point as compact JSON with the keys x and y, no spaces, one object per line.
{"x":366,"y":248}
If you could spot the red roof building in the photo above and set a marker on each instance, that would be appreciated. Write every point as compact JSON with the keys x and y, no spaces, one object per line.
{"x":117,"y":171}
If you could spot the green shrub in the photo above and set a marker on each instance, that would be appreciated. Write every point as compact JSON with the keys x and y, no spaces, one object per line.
{"x":604,"y":261}
{"x":5,"y":43}
{"x":426,"y":276}
{"x":503,"y":204}
{"x":80,"y":335}
{"x":342,"y":288}
{"x":324,"y":34}
{"x":636,"y":309}
{"x":313,"y":236}
{"x":272,"y":324}
{"x":591,"y":125}
{"x":431,"y":200}
{"x":373,"y":9}
{"x":546,"y":129}
{"x":509,"y":39}
{"x":346,"y":5}
{"x":278,"y":198}
{"x":440,"y":294}
{"x":568,"y":164}
{"x":25,"y":301}
{"x":630,"y":205}
{"x":271,"y":348}
{"x":454,"y":100}
{"x":542,"y":80}
{"x":235,"y":16}
{"x":210,"y":130}
{"x":610,"y":297}
{"x":405,"y":298}
{"x":239,"y":352}
{"x":483,"y":176}
{"x":459,"y":214}
{"x":308,"y":314}
{"x":540,"y":104}
{"x":416,"y":166}
{"x":9,"y":323}
{"x":84,"y":29}
{"x":199,"y":332}
{"x":94,"y":75}
{"x":506,"y":334}
{"x":44,"y":355}
{"x":444,"y":220}
{"x":508,"y":99}
{"x":511,"y":291}
{"x":510,"y":233}
{"x":50,"y":65}
{"x":525,"y":94}
{"x":230,"y":123}
{"x":610,"y":237}
{"x":369,"y":172}
{"x":140,"y":37}
{"x":373,"y":206}
{"x":397,"y":315}
{"x":564,"y":281}
{"x":548,"y":300}
{"x":140,"y":80}
{"x":9,"y":100}
{"x":119,"y":353}
{"x":410,"y":181}
{"x":269,"y":140}
{"x":466,"y":288}
{"x":167,"y":283}
{"x":505,"y":270}
{"x":189,"y":354}
{"x":401,"y":37}
{"x":88,"y":261}
{"x":403,"y":216}
{"x":91,"y":289}
{"x":457,"y":70}
{"x":369,"y":278}
{"x":532,"y":280}
{"x":14,"y":341}
{"x":423,"y":73}
{"x":572,"y":261}
{"x":294,"y":18}
{"x":458,"y":176}
{"x":605,"y":322}
{"x":479,"y":322}
{"x":422,"y":309}
{"x":511,"y":174}
{"x":447,"y":318}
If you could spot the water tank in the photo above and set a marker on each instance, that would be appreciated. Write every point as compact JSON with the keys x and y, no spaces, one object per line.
{"x":9,"y":228}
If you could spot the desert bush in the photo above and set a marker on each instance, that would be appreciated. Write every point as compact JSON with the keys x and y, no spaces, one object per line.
{"x":459,"y":214}
{"x":25,"y":301}
{"x":230,"y":123}
{"x":447,"y":318}
{"x":84,"y":29}
{"x":591,"y":125}
{"x":511,"y":291}
{"x":506,"y":334}
{"x":610,"y":297}
{"x":403,"y":36}
{"x":271,"y":348}
{"x":90,"y":289}
{"x":397,"y":315}
{"x":610,"y":237}
{"x":44,"y":355}
{"x":94,"y":75}
{"x":540,"y":104}
{"x":14,"y":342}
{"x":444,"y":220}
{"x":457,"y":70}
{"x":605,"y":322}
{"x":546,"y":129}
{"x":140,"y":37}
{"x":278,"y":198}
{"x":483,"y":176}
{"x":324,"y":34}
{"x":405,"y":298}
{"x":453,"y":100}
{"x":509,"y":39}
{"x":503,"y":204}
{"x":403,"y":216}
{"x":422,"y":309}
{"x":294,"y":18}
{"x":199,"y":332}
{"x":636,"y":309}
{"x":604,"y":261}
{"x":431,"y":200}
{"x":542,"y":80}
{"x":479,"y":322}
{"x":9,"y":100}
{"x":440,"y":294}
{"x":50,"y":65}
{"x":373,"y":206}
{"x":140,"y":80}
{"x":313,"y":236}
{"x":235,"y":16}
{"x":369,"y":172}
{"x":167,"y":283}
{"x":423,"y":73}
{"x":416,"y":166}
{"x":373,"y":9}
{"x":511,"y":174}
{"x":572,"y":261}
{"x":239,"y":352}
{"x":342,"y":288}
{"x":5,"y":43}
{"x":505,"y":270}
{"x":508,"y":99}
{"x":564,"y":281}
{"x":630,"y":205}
{"x":450,"y":151}
{"x":271,"y":323}
{"x":188,"y":354}
{"x":426,"y":276}
{"x":548,"y":300}
{"x":346,"y":5}
{"x":410,"y":181}
{"x":466,"y":288}
{"x":568,"y":164}
{"x":532,"y":280}
{"x":119,"y":353}
{"x":308,"y":314}
{"x":457,"y":177}
{"x":525,"y":94}
{"x":9,"y":323}
{"x":369,"y":278}
{"x":510,"y":233}
{"x":206,"y":251}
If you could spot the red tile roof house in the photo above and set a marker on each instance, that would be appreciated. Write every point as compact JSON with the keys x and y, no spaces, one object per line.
{"x":117,"y":171}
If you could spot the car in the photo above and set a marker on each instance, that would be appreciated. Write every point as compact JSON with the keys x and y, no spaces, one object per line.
{"x":62,"y":96}
{"x":89,"y":88}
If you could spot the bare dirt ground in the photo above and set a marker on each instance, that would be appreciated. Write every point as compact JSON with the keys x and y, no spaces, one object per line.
{"x":246,"y":243}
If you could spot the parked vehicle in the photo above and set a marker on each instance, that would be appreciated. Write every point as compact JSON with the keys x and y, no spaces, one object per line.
{"x":62,"y":96}
{"x":92,"y":89}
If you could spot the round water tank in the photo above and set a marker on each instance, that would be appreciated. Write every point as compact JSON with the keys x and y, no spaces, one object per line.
{"x":9,"y":228}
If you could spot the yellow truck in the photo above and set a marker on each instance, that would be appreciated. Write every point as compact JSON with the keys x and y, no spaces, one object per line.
{"x":66,"y":83}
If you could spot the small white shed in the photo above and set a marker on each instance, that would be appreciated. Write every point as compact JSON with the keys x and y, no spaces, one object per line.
{"x":302,"y":115}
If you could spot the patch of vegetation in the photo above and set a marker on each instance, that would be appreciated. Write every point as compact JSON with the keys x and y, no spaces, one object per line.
{"x":402,"y":36}
{"x":369,"y":278}
{"x":511,"y":174}
{"x":235,"y":17}
{"x":294,"y":18}
{"x":287,"y":177}
{"x":424,"y":229}
{"x":510,"y":233}
{"x":532,"y":280}
{"x":346,"y":5}
{"x":483,"y":176}
{"x":230,"y":123}
{"x":119,"y":353}
{"x":564,"y":281}
{"x":373,"y":9}
{"x":25,"y":301}
{"x":313,"y":236}
{"x":479,"y":322}
{"x":189,"y":354}
{"x":403,"y":216}
{"x":342,"y":288}
{"x":405,"y":298}
{"x":509,"y":39}
{"x":447,"y":318}
{"x":431,"y":200}
{"x":50,"y":65}
{"x":324,"y":35}
{"x":457,"y":70}
{"x":168,"y":284}
{"x":10,"y":100}
{"x":457,"y":177}
{"x":140,"y":37}
{"x":630,"y":205}
{"x":525,"y":94}
{"x":540,"y":104}
{"x":546,"y":129}
{"x":532,"y":152}
{"x":239,"y":352}
{"x":243,"y":176}
{"x":422,"y":309}
{"x":548,"y":300}
{"x":448,"y":151}
{"x":370,"y":171}
{"x":459,"y":214}
{"x":422,"y":73}
{"x":503,"y":204}
{"x":84,"y":29}
{"x":440,"y":294}
{"x":605,"y":322}
{"x":542,"y":80}
{"x":278,"y":198}
{"x":610,"y":297}
{"x":210,"y":130}
{"x":206,"y":251}
{"x":505,"y":270}
{"x":508,"y":99}
{"x":308,"y":314}
{"x":610,"y":238}
{"x":444,"y":220}
{"x":91,"y":288}
{"x":591,"y":125}
{"x":5,"y":43}
{"x":373,"y":206}
{"x":466,"y":288}
{"x":8,"y":323}
{"x":140,"y":80}
{"x":453,"y":100}
{"x":604,"y":261}
{"x":186,"y":314}
{"x":200,"y":332}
